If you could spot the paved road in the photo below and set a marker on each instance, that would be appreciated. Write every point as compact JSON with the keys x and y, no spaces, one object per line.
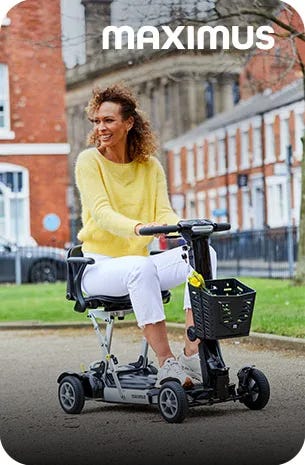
{"x":35,"y":431}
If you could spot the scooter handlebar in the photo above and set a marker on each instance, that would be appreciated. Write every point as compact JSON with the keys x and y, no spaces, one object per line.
{"x":218,"y":227}
{"x":195,"y":227}
{"x":152,"y":230}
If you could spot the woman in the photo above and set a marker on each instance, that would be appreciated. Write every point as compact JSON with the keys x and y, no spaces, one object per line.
{"x":123,"y":188}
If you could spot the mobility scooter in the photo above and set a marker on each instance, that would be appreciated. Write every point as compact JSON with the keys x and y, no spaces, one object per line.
{"x":221,"y":309}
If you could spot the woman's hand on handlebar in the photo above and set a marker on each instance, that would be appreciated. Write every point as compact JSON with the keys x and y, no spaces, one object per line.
{"x":147,"y":225}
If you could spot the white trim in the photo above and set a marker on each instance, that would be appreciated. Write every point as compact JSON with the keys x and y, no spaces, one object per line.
{"x":212,"y":159}
{"x":244,"y":151}
{"x":220,"y":133}
{"x":257,"y":149}
{"x":269,"y":142}
{"x":177,"y":169}
{"x":189,"y":146}
{"x":245,"y":125}
{"x":6,"y":134}
{"x":5,"y":96}
{"x":211,"y":138}
{"x":199,"y":142}
{"x":232,"y":130}
{"x":201,"y":204}
{"x":12,"y":231}
{"x":201,"y":195}
{"x":284,"y":113}
{"x":299,"y":128}
{"x":285,"y":135}
{"x":190,"y":166}
{"x":200,"y":162}
{"x":270,"y":117}
{"x":6,"y":21}
{"x":233,"y":189}
{"x":299,"y":107}
{"x":256,"y":122}
{"x":222,"y":190}
{"x":212,"y":193}
{"x":221,"y":156}
{"x":35,"y":149}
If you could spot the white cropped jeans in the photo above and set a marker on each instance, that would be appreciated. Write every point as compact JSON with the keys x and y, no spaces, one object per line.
{"x":142,"y":278}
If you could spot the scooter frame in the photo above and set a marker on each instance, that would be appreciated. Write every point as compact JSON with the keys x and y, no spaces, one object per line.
{"x":107,"y":381}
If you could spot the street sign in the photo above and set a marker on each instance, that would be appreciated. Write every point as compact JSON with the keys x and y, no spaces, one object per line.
{"x":219,"y":212}
{"x":51,"y":222}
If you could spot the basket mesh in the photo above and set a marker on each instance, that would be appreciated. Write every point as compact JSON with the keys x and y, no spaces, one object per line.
{"x":223,"y":310}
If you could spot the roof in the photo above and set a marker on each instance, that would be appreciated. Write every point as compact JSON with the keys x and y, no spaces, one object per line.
{"x":245,"y":109}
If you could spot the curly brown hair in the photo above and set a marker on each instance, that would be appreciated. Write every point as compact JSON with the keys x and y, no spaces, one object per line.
{"x":141,"y":141}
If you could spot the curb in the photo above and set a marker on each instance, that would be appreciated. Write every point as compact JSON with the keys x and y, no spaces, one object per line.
{"x":267,"y":341}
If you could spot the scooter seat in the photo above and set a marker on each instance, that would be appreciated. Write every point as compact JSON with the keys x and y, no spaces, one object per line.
{"x":76,"y":264}
{"x":110,"y":303}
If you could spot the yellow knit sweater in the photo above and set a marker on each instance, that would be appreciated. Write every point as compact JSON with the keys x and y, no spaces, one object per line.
{"x":116,"y":197}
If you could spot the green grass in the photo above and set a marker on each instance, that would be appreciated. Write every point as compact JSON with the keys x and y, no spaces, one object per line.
{"x":279,"y":309}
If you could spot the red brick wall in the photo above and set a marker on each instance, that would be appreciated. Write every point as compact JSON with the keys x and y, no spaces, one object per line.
{"x":31,"y":47}
{"x":275,"y":68}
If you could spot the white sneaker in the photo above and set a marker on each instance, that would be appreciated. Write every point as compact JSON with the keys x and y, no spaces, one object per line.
{"x":171,"y":370}
{"x":191,"y":366}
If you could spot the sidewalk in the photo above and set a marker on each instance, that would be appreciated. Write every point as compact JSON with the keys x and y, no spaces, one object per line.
{"x":267,"y":341}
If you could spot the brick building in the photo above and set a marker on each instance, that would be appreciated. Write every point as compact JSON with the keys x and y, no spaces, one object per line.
{"x":232,"y":167}
{"x":33,"y":138}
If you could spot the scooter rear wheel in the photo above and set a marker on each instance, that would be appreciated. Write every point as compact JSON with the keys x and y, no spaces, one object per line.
{"x":258,"y":390}
{"x":71,"y":394}
{"x":172,"y":402}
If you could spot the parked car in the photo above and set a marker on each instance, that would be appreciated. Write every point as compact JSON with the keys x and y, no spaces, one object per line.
{"x":38,"y":263}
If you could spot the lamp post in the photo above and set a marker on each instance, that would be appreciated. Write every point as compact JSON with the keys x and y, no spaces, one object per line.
{"x":15,"y":216}
{"x":289,"y":206}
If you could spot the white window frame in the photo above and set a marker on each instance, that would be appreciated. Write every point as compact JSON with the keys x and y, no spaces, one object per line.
{"x":247,"y":212}
{"x":233,"y":207}
{"x":190,"y":165}
{"x":232,"y":146}
{"x":269,"y":138}
{"x":284,"y":133}
{"x":211,"y":156}
{"x":299,"y":130}
{"x":221,"y":155}
{"x":190,"y":204}
{"x":177,"y":169}
{"x":201,"y":204}
{"x":200,"y":161}
{"x":244,"y":146}
{"x":5,"y":131}
{"x":257,"y":187}
{"x":257,"y":152}
{"x":276,"y":217}
{"x":297,"y":188}
{"x":222,"y":203}
{"x":212,"y":200}
{"x":24,"y":236}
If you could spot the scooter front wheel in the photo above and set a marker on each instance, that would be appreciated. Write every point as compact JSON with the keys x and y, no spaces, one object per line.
{"x":172,"y":402}
{"x":258,"y":390}
{"x":71,"y":394}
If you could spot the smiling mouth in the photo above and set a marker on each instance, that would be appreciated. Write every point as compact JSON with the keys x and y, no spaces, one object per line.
{"x":106,"y":137}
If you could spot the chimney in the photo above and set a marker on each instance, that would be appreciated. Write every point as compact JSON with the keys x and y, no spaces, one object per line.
{"x":97,"y":16}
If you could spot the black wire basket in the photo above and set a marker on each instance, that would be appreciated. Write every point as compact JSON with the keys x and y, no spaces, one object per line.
{"x":223,"y":310}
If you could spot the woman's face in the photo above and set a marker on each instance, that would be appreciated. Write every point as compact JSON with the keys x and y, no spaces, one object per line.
{"x":109,"y":127}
